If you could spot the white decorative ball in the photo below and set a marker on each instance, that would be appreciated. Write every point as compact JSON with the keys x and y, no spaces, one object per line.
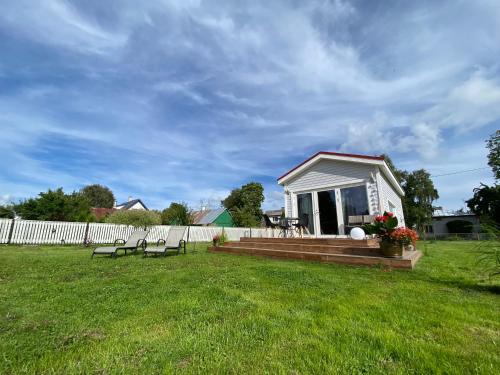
{"x":357,"y":234}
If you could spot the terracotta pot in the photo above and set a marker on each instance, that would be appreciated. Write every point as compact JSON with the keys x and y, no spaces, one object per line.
{"x":391,"y":249}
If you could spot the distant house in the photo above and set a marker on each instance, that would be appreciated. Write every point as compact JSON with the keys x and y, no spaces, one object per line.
{"x":219,"y":217}
{"x":275,"y":215}
{"x":132,"y":204}
{"x":440,"y":222}
{"x":330,"y":188}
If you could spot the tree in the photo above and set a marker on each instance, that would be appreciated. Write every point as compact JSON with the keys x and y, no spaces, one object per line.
{"x":493,"y":144}
{"x":419,"y":195}
{"x":6,"y":212}
{"x":136,"y":218}
{"x":486,"y":199}
{"x":245,"y":203}
{"x":486,"y":203}
{"x":55,"y":205}
{"x":176,"y":214}
{"x":98,"y":195}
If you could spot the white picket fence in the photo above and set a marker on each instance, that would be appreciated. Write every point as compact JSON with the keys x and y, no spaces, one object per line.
{"x":57,"y":232}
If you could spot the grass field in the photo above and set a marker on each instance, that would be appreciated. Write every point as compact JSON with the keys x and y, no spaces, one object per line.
{"x":62,"y":312}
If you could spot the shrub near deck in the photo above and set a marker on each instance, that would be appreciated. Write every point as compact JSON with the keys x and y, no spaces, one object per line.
{"x":202,"y":312}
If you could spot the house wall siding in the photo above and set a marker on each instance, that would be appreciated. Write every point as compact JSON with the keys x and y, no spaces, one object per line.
{"x":330,"y":173}
{"x":389,"y":194}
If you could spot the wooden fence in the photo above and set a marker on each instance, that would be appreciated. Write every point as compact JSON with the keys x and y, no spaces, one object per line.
{"x":57,"y":232}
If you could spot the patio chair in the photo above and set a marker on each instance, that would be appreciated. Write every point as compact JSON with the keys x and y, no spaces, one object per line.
{"x":368,"y":219}
{"x":284,"y":226}
{"x":269,"y":223}
{"x":355,"y":220}
{"x":136,"y":240}
{"x":302,"y":225}
{"x":174,"y":241}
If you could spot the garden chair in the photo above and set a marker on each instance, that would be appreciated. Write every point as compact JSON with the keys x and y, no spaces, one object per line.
{"x":269,"y":223}
{"x":368,"y":219}
{"x":301,"y":225}
{"x":174,"y":241}
{"x":136,"y":240}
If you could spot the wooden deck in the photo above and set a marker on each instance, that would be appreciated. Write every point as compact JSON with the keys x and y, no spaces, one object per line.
{"x":346,"y":251}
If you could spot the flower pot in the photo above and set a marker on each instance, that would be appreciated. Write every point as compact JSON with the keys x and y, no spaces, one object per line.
{"x":391,"y":249}
{"x":215,"y":242}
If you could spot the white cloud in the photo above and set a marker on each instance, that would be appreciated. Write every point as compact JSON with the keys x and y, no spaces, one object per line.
{"x":56,"y":22}
{"x":183,"y":88}
{"x":197,"y":98}
{"x":470,"y":104}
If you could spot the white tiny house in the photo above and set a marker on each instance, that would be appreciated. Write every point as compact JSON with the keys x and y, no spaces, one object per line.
{"x":330,"y":187}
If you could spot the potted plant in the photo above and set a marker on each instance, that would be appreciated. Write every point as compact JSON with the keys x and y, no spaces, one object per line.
{"x":216,"y":239}
{"x":405,"y":237}
{"x":392,"y":238}
{"x":219,"y":239}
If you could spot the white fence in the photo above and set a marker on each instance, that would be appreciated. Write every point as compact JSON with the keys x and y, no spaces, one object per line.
{"x":57,"y":232}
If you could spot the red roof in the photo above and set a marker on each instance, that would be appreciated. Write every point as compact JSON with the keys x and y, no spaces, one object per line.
{"x":100,"y":212}
{"x":369,"y":157}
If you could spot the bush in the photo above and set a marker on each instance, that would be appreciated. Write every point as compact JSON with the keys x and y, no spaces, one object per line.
{"x":6,"y":212}
{"x":176,"y":214}
{"x":459,"y":226}
{"x":55,"y":205}
{"x":136,"y":218}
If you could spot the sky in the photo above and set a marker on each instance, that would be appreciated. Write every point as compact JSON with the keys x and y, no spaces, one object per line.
{"x":186,"y":100}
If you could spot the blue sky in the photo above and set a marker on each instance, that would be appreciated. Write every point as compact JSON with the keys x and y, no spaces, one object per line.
{"x":185,"y":100}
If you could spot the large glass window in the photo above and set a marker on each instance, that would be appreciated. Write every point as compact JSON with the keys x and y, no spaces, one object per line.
{"x":354,"y":202}
{"x":305,"y":210}
{"x":328,"y":212}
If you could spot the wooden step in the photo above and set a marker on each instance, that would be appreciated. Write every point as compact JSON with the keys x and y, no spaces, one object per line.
{"x":406,"y":262}
{"x":308,"y":247}
{"x":372,"y":242}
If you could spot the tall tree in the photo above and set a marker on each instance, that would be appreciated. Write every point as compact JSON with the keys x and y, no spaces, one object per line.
{"x":245,"y":204}
{"x":99,"y":196}
{"x":419,"y":195}
{"x":493,"y":144}
{"x":55,"y":205}
{"x":176,"y":214}
{"x":486,"y":199}
{"x":486,"y":204}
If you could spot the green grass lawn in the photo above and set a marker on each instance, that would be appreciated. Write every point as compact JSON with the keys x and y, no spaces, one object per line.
{"x":61,"y":312}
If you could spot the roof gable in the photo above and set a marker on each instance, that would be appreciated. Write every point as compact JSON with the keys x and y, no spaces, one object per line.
{"x":129,"y":204}
{"x":336,"y":156}
{"x":208,"y":216}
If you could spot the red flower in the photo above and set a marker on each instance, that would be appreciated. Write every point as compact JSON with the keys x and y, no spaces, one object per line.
{"x":404,"y":236}
{"x":379,"y":218}
{"x":389,"y":214}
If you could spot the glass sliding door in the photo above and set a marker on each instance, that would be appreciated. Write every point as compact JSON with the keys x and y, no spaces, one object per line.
{"x":354,"y":202}
{"x":305,"y":210}
{"x":328,"y":212}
